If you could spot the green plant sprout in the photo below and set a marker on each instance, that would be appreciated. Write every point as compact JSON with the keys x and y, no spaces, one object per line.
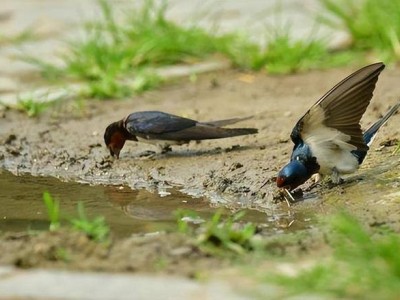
{"x":96,"y":229}
{"x":53,"y":211}
{"x":218,"y":235}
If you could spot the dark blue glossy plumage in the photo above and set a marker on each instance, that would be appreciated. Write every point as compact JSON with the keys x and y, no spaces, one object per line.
{"x":166,"y":129}
{"x":301,"y":167}
{"x":156,"y":122}
{"x":293,"y":174}
{"x":156,"y":125}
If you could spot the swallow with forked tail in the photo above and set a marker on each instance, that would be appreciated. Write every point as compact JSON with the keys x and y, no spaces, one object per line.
{"x":166,"y":129}
{"x":328,"y":139}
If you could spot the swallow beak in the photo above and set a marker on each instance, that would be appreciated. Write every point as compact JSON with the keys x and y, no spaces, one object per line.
{"x":280,"y":182}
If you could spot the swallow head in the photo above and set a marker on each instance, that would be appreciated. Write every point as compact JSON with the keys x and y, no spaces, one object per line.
{"x":114,"y":138}
{"x":292,"y":175}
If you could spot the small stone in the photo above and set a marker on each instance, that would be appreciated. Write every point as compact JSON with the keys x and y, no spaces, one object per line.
{"x":235,"y":166}
{"x":10,"y":139}
{"x":287,"y":113}
{"x":180,"y":251}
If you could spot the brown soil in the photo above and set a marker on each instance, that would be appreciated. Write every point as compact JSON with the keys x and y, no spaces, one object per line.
{"x":170,"y":253}
{"x":68,"y":143}
{"x":69,"y":146}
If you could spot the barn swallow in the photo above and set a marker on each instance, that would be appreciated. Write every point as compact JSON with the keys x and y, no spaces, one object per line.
{"x":166,"y":129}
{"x":328,"y":139}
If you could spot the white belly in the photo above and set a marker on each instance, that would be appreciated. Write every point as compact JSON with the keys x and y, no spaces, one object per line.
{"x":332,"y":150}
{"x":341,"y":160}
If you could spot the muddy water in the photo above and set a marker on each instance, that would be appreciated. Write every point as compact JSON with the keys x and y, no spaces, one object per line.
{"x":127,"y":211}
{"x":130,"y":211}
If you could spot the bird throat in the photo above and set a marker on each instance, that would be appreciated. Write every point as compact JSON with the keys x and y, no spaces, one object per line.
{"x":117,"y":140}
{"x":302,"y":153}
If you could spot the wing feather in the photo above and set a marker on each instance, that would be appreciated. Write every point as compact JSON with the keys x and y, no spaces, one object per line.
{"x":221,"y":123}
{"x":204,"y":132}
{"x":341,"y":109}
{"x":156,"y":122}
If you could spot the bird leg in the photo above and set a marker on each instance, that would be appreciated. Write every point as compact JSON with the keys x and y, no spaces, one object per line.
{"x":316,"y":180}
{"x":148,"y":154}
{"x":165,"y":149}
{"x":335,"y":176}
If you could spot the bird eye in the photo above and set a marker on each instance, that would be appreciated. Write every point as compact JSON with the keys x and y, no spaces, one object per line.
{"x":297,"y":158}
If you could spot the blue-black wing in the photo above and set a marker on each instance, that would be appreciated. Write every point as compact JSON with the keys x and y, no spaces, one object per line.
{"x":156,"y":122}
{"x":162,"y":126}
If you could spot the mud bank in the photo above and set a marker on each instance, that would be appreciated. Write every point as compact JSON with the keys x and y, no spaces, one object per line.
{"x":67,"y":142}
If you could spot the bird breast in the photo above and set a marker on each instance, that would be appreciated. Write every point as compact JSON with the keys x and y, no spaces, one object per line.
{"x":332,"y":151}
{"x":335,"y":156}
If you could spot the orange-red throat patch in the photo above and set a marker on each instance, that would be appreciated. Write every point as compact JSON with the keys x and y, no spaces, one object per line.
{"x":117,"y":143}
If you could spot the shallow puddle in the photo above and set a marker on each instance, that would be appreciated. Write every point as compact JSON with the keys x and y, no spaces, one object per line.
{"x":373,"y":194}
{"x":127,"y":211}
{"x":130,"y":211}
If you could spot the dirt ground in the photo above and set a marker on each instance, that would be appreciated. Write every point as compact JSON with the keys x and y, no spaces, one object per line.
{"x":67,"y":142}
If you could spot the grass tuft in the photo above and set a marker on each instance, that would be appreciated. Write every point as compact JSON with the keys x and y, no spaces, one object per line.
{"x":220,"y":235}
{"x":286,"y":55}
{"x":374,"y":26}
{"x":363,"y":266}
{"x":96,"y":229}
{"x":31,"y":106}
{"x":53,"y":211}
{"x":115,"y":59}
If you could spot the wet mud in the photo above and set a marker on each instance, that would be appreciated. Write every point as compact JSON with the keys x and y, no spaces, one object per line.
{"x":67,"y":143}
